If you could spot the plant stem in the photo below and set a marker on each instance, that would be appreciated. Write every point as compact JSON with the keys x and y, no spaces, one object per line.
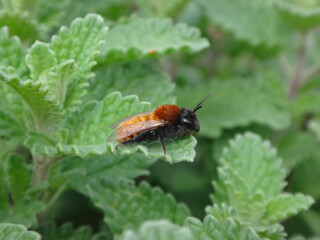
{"x":298,"y":76}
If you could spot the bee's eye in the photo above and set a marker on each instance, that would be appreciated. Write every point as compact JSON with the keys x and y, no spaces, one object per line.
{"x":185,"y":120}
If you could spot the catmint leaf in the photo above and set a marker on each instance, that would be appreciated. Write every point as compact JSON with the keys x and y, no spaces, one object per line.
{"x":129,"y":79}
{"x":20,"y":24}
{"x":23,"y":212}
{"x":126,"y":206}
{"x":80,"y":43}
{"x":3,"y":190}
{"x":18,"y":177}
{"x":45,"y":111}
{"x":49,"y":231}
{"x":221,"y":225}
{"x":158,"y":230}
{"x":10,"y":231}
{"x":89,"y":136}
{"x":141,"y":38}
{"x":251,"y":180}
{"x":300,"y":17}
{"x":237,"y":103}
{"x":247,"y":20}
{"x":286,"y":205}
{"x":11,"y":53}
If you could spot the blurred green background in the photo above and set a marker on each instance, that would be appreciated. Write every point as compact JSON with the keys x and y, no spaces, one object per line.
{"x":262,"y":66}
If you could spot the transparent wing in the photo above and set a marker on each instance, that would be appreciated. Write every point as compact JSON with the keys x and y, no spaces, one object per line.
{"x":117,"y":123}
{"x":137,"y":127}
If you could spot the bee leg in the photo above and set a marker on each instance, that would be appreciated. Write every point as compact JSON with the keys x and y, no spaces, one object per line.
{"x":163,"y":146}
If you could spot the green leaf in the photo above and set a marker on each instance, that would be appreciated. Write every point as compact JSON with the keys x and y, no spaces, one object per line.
{"x":4,"y":192}
{"x":45,"y":111}
{"x":23,"y":212}
{"x":11,"y":53}
{"x":251,"y":21}
{"x":50,"y":12}
{"x":314,"y":126}
{"x":49,"y":231}
{"x":80,"y":43}
{"x":238,"y":102}
{"x":158,"y":230}
{"x":251,"y":180}
{"x":16,"y":232}
{"x":18,"y":177}
{"x":159,"y":9}
{"x":129,"y":79}
{"x":88,"y":137}
{"x":299,"y":17}
{"x":79,"y":172}
{"x":221,"y":225}
{"x":286,"y":205}
{"x":127,"y":206}
{"x":295,"y":147}
{"x":140,"y":38}
{"x":20,"y":24}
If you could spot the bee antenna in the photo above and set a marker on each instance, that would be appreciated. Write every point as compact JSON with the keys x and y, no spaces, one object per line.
{"x":199,"y":104}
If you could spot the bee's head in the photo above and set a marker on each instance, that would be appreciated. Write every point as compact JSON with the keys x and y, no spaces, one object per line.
{"x":189,"y":118}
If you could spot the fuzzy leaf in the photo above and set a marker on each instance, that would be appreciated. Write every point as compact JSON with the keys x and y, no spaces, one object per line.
{"x":18,"y":177}
{"x":49,"y":231}
{"x":251,"y":178}
{"x":251,"y":21}
{"x":158,"y":230}
{"x":221,"y":225}
{"x":16,"y":232}
{"x":89,"y":136}
{"x":286,"y":205}
{"x":299,"y":17}
{"x":80,"y":43}
{"x":129,"y":79}
{"x":248,"y":101}
{"x":127,"y":206}
{"x":11,"y":52}
{"x":20,"y":24}
{"x":24,"y":212}
{"x":45,"y":111}
{"x":140,"y":38}
{"x":79,"y":172}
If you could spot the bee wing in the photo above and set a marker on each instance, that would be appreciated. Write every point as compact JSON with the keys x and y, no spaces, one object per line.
{"x":117,"y":123}
{"x":137,"y":127}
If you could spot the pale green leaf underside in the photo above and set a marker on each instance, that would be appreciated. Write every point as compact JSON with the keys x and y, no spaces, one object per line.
{"x":88,"y":137}
{"x":133,"y":78}
{"x":300,"y":18}
{"x":251,"y":180}
{"x":158,"y":230}
{"x":286,"y":205}
{"x":140,"y":38}
{"x":221,"y":224}
{"x":16,"y":232}
{"x":127,"y":206}
{"x":248,"y":20}
{"x":235,"y":103}
{"x":44,"y":110}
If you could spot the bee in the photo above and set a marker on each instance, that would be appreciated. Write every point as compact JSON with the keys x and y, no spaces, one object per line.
{"x":166,"y":121}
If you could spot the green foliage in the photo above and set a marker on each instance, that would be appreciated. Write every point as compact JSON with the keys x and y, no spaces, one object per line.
{"x":140,"y":38}
{"x":251,"y":180}
{"x":127,"y":206}
{"x":248,"y":101}
{"x":16,"y":232}
{"x":158,"y":230}
{"x":66,"y":80}
{"x":221,"y":224}
{"x":66,"y":232}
